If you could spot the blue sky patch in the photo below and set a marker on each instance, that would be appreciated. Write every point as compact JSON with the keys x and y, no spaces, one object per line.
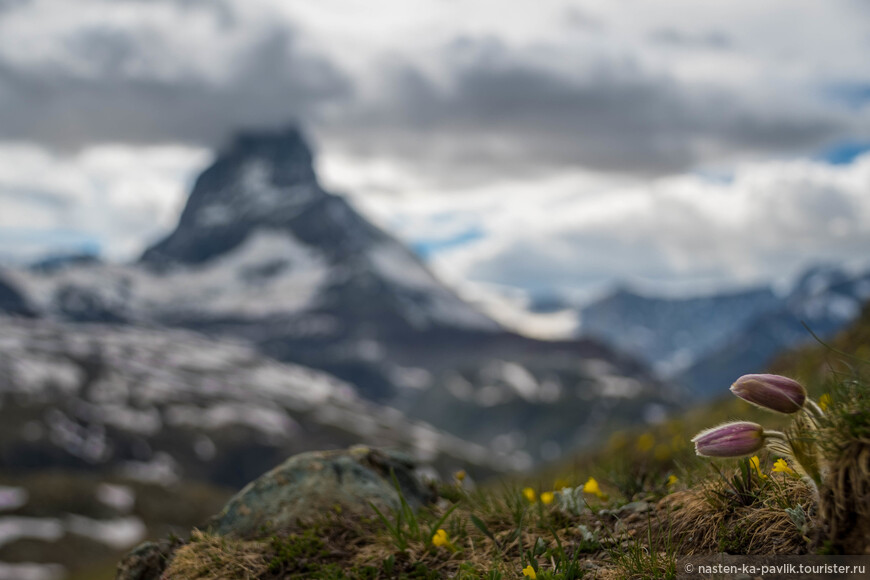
{"x":428,"y":248}
{"x":844,"y":153}
{"x":853,"y":95}
{"x":720,"y":176}
{"x":49,"y":241}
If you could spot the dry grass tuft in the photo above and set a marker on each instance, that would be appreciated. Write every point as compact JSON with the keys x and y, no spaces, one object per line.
{"x":702,"y":524}
{"x":844,"y":503}
{"x":209,"y":557}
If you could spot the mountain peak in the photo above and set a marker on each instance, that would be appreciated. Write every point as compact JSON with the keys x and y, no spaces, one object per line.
{"x":285,"y":149}
{"x":262,"y":179}
{"x":817,"y":279}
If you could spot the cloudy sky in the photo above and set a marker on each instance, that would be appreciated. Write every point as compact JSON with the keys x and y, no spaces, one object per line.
{"x":547,"y":145}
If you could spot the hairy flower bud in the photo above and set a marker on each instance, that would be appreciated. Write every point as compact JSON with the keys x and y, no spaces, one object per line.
{"x":771,"y":392}
{"x":730,"y":440}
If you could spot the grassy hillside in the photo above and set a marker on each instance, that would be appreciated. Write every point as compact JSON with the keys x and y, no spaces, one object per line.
{"x":818,"y":364}
{"x":624,"y":511}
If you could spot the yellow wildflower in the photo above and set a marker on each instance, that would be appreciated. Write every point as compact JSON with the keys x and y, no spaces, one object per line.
{"x":672,"y":479}
{"x":825,"y":401}
{"x":645,"y":442}
{"x":591,"y":486}
{"x":782,"y":467}
{"x":440,"y":539}
{"x":756,"y":465}
{"x":460,"y":475}
{"x":529,"y":494}
{"x":529,"y":572}
{"x":547,"y":497}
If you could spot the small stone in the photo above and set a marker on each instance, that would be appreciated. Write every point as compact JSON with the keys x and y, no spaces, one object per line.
{"x":637,"y":507}
{"x":147,"y":561}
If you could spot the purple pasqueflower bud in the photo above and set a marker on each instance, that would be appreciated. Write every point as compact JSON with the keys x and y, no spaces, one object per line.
{"x":771,"y":392}
{"x":730,"y":440}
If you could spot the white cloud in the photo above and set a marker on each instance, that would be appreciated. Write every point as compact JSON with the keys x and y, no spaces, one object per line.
{"x":117,"y":197}
{"x":684,"y":233}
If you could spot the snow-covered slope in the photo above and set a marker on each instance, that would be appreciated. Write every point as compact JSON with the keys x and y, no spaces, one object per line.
{"x":269,"y":272}
{"x":166,"y":404}
{"x":672,"y":333}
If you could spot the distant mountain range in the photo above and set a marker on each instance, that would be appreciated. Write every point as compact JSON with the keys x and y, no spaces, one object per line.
{"x":706,"y":342}
{"x":264,"y":259}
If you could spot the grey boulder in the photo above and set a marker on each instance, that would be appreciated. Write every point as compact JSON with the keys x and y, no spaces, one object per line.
{"x":319,"y":482}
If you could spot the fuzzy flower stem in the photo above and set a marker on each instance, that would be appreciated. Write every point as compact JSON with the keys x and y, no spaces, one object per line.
{"x":775,"y":435}
{"x":813,"y":409}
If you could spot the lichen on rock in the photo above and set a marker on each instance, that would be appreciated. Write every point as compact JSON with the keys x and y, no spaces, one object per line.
{"x":312,"y":484}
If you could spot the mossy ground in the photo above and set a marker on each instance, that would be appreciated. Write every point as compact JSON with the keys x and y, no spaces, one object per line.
{"x":657,"y":500}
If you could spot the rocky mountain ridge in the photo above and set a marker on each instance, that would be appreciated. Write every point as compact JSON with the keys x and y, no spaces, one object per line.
{"x":704,"y":342}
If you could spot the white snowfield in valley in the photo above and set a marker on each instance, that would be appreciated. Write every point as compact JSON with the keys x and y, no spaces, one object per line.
{"x":152,"y":379}
{"x":31,"y":571}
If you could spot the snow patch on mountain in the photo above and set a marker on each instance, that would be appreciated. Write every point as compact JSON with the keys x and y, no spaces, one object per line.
{"x":31,"y":571}
{"x":270,"y":421}
{"x":14,"y":528}
{"x":270,"y":272}
{"x":512,"y":308}
{"x":253,"y":195}
{"x":142,"y":383}
{"x":117,"y":533}
{"x":394,"y":263}
{"x":12,"y":498}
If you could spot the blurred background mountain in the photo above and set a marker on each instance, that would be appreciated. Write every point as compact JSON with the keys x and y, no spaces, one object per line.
{"x":523,"y":230}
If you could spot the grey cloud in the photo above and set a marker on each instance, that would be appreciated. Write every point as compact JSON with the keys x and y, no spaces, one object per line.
{"x":505,"y":112}
{"x":716,"y":40}
{"x":7,"y":5}
{"x":123,"y":100}
{"x":502,"y":109}
{"x":223,"y":9}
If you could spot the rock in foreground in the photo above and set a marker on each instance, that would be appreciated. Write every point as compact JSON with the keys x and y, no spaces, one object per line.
{"x":298,"y":490}
{"x":311,"y":484}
